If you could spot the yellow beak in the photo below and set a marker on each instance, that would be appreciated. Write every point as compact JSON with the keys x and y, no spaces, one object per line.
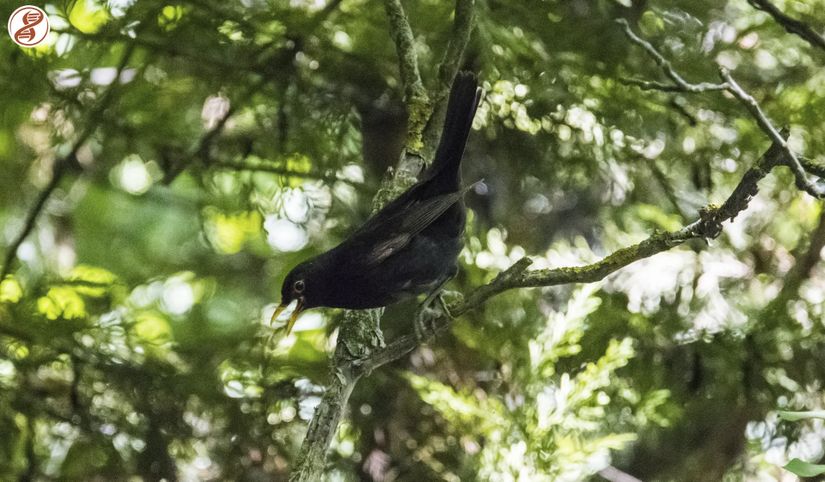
{"x":292,"y":318}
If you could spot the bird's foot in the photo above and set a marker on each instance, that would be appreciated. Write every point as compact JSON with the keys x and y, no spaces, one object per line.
{"x":425,"y":327}
{"x":444,"y":307}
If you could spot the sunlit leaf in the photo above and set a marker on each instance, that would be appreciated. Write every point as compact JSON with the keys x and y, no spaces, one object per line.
{"x":62,"y":302}
{"x":152,"y":327}
{"x":10,"y":290}
{"x":91,"y":281}
{"x":170,"y":16}
{"x":229,"y":232}
{"x":659,"y":218}
{"x":88,"y":16}
{"x":804,"y":469}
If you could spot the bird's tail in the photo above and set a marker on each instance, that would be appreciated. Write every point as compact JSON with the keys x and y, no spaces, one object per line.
{"x":461,"y":108}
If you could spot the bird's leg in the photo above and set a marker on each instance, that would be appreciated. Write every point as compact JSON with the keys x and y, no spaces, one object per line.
{"x":424,"y":326}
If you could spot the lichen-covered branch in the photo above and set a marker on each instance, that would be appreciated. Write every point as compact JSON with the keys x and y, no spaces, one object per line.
{"x":792,"y":25}
{"x":359,"y":337}
{"x":708,"y":226}
{"x":415,"y":95}
{"x":450,"y":64}
{"x":310,"y":463}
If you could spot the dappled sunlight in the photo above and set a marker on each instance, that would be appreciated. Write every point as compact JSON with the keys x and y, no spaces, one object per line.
{"x":166,"y":165}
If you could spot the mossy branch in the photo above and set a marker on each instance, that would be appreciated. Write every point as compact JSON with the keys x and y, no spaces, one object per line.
{"x":415,"y":95}
{"x":708,"y":226}
{"x":360,"y":336}
{"x":463,"y":24}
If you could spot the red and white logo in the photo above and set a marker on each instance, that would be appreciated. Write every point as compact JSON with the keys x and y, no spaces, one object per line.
{"x":28,"y":26}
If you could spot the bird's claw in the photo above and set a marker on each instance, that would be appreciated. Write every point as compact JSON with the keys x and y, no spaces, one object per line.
{"x":424,"y":325}
{"x":444,"y":307}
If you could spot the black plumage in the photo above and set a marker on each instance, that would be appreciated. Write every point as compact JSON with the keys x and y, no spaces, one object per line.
{"x":407,"y":248}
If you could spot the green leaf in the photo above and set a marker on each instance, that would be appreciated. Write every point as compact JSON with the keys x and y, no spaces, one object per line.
{"x":61,"y":301}
{"x":655,"y":215}
{"x":804,"y":469}
{"x":796,"y":416}
{"x":460,"y":408}
{"x":170,"y":17}
{"x":10,"y":291}
{"x":98,"y":280}
{"x":87,"y":16}
{"x":152,"y":327}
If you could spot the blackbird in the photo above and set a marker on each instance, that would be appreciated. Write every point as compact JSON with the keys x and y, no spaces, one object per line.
{"x":410,"y":246}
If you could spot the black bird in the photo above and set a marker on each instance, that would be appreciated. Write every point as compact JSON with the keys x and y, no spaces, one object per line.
{"x":407,"y":248}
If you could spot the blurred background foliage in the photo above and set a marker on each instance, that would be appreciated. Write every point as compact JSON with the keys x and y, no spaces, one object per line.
{"x":193,"y":151}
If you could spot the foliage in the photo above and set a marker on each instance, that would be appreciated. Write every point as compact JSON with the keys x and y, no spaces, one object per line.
{"x":189,"y":153}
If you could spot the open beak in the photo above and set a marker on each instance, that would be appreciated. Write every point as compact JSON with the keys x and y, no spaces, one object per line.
{"x":294,"y":316}
{"x":280,"y":309}
{"x":299,"y":307}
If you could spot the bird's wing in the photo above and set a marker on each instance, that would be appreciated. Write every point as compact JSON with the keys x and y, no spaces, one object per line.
{"x":398,"y":228}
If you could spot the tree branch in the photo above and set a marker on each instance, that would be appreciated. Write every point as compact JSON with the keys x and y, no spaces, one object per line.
{"x":447,"y":69}
{"x":816,"y":168}
{"x":404,"y":40}
{"x":731,"y":86}
{"x":708,"y":226}
{"x":360,"y":336}
{"x":417,"y":102}
{"x":802,"y":181}
{"x":791,"y":25}
{"x":680,"y":83}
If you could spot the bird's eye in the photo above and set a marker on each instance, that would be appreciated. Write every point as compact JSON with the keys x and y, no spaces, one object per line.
{"x":299,"y":286}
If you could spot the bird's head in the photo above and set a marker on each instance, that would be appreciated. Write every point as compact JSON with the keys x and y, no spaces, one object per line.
{"x":297,"y":287}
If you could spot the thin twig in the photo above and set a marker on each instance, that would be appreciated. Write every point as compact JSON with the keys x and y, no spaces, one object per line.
{"x":663,"y":87}
{"x":806,"y":258}
{"x":666,"y":186}
{"x":680,"y":83}
{"x":767,"y":127}
{"x":31,"y":217}
{"x":201,"y":149}
{"x":281,"y":60}
{"x":729,"y":85}
{"x":792,"y":25}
